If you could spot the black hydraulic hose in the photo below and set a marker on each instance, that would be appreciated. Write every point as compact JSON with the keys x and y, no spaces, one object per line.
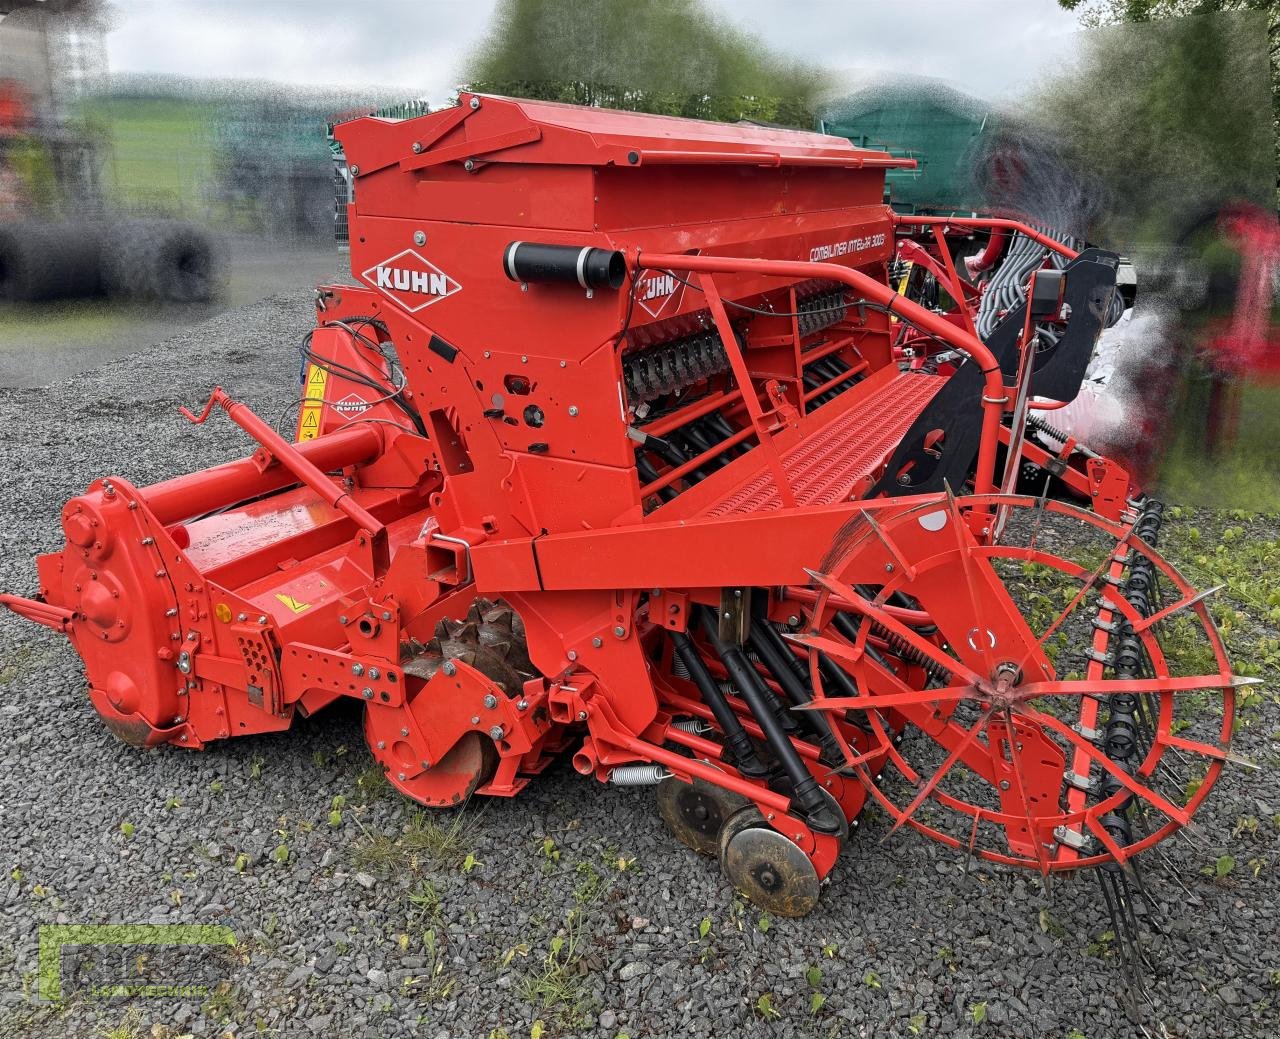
{"x":672,"y":454}
{"x":719,"y":422}
{"x":700,"y":443}
{"x":736,"y":740}
{"x":806,"y":793}
{"x":774,"y":654}
{"x":648,"y":474}
{"x":843,"y":685}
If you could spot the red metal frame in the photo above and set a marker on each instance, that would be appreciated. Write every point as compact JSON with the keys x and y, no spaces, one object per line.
{"x":501,"y":454}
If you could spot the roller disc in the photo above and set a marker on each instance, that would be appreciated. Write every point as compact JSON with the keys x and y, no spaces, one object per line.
{"x":696,"y":812}
{"x":744,"y":819}
{"x":771,"y":871}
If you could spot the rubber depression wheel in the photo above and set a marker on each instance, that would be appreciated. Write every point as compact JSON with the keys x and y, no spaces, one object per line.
{"x":696,"y":812}
{"x":766,"y":867}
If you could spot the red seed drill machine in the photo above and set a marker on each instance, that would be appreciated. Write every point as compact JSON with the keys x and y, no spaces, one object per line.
{"x":623,"y":446}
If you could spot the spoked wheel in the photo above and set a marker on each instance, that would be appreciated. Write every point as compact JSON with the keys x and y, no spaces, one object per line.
{"x":1053,"y":730}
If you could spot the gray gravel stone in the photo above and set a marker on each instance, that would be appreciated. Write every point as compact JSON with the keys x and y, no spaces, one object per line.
{"x":66,"y":784}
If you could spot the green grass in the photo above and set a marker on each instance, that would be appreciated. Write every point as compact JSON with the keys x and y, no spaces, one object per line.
{"x":1246,"y":476}
{"x":426,"y":841}
{"x":161,"y":151}
{"x":41,"y":326}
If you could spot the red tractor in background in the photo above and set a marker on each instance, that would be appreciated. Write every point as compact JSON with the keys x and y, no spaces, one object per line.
{"x":625,"y":447}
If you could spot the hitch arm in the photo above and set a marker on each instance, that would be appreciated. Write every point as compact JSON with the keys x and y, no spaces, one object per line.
{"x":292,"y":459}
{"x":53,"y":617}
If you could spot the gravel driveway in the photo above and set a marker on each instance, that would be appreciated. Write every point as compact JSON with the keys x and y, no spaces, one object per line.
{"x":568,"y":911}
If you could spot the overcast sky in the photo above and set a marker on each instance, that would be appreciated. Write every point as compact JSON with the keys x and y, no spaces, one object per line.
{"x":993,"y":48}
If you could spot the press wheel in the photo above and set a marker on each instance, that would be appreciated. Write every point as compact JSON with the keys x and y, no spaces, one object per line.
{"x":767,"y":868}
{"x":696,"y":812}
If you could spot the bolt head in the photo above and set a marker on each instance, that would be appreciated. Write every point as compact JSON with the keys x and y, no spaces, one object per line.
{"x":582,"y":716}
{"x":888,"y":568}
{"x":386,"y":615}
{"x":573,"y":411}
{"x":597,"y":642}
{"x":355,"y":171}
{"x":490,"y":701}
{"x":425,"y":763}
{"x":357,"y":670}
{"x":374,"y":673}
{"x":367,"y":693}
{"x":341,"y":619}
{"x":450,"y":668}
{"x":242,"y":617}
{"x":400,"y":776}
{"x":404,"y":732}
{"x":417,"y":150}
{"x":475,"y":719}
{"x":620,"y":631}
{"x":573,"y":654}
{"x":382,"y":744}
{"x":794,"y":621}
{"x":475,"y":103}
{"x":496,"y":732}
{"x":522,"y":705}
{"x":469,"y":165}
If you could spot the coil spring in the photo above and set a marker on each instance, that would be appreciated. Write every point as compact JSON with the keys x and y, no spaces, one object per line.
{"x":693,"y":726}
{"x":1039,"y":424}
{"x":638,"y":775}
{"x":907,"y":652}
{"x":678,"y":666}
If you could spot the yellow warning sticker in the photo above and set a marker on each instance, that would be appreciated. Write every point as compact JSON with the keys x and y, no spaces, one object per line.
{"x":902,"y":284}
{"x":293,"y":604}
{"x":312,"y":406}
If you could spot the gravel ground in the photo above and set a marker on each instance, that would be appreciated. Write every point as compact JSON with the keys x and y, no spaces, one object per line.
{"x":569,"y":906}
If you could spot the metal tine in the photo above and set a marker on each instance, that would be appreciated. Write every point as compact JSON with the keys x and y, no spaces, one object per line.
{"x":1125,"y":942}
{"x":1176,"y":608}
{"x":1039,"y":512}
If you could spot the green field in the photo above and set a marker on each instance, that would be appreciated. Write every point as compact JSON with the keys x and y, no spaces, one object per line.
{"x":160,"y":153}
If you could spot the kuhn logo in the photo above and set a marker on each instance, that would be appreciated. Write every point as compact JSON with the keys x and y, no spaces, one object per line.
{"x":659,"y":292}
{"x":411,"y":280}
{"x":350,"y":406}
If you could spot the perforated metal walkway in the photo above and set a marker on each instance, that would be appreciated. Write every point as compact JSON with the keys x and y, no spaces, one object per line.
{"x":829,"y":463}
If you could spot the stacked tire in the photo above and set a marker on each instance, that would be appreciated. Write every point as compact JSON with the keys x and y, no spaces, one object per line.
{"x":40,"y":262}
{"x":151,"y":260}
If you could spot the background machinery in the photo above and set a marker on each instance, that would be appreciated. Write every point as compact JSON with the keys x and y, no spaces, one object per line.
{"x":58,"y":237}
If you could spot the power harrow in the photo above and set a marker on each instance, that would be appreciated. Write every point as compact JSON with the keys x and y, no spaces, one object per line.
{"x":625,"y":446}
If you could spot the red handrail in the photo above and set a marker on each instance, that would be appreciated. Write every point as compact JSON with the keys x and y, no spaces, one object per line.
{"x":988,"y":224}
{"x":994,"y":397}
